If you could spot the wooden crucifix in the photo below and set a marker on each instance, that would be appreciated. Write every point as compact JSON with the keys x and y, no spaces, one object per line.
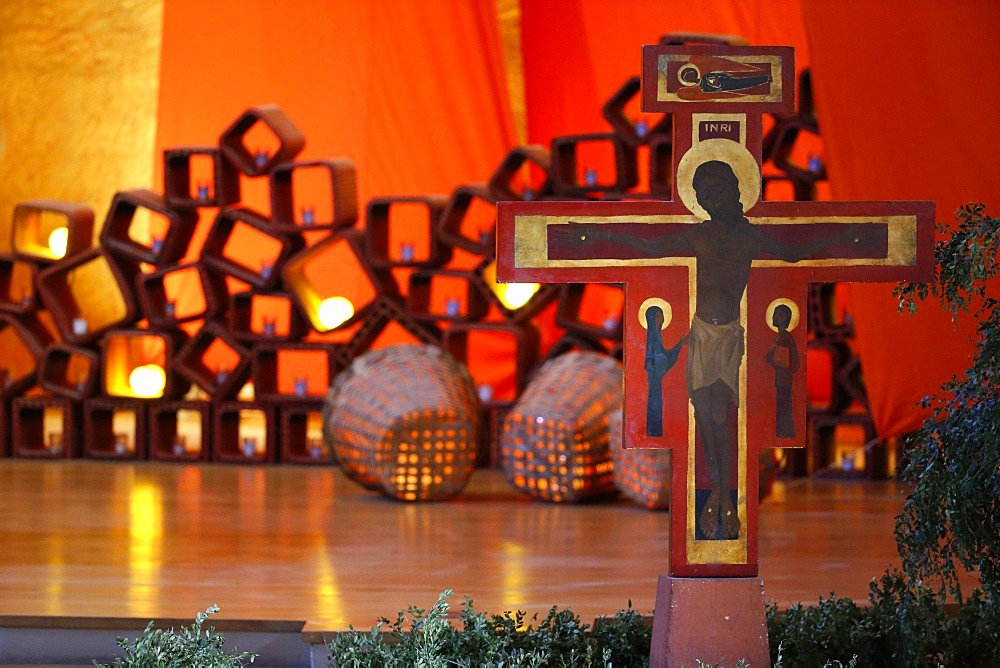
{"x":715,"y":289}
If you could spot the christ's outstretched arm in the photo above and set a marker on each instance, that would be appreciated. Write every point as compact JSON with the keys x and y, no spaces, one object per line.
{"x":668,"y":240}
{"x":857,"y":235}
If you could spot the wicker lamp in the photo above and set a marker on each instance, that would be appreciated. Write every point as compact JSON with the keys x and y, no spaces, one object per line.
{"x":554,"y":441}
{"x":404,"y":420}
{"x":642,"y":474}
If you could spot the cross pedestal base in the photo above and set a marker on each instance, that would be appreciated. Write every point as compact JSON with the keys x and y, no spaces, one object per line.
{"x":712,"y":620}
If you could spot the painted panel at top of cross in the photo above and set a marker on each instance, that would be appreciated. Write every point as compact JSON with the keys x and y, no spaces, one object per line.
{"x":717,"y":78}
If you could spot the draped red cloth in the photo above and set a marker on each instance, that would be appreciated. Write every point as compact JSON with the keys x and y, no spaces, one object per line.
{"x":908,"y":98}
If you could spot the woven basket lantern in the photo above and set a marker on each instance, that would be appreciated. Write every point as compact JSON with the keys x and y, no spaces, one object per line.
{"x":404,"y":420}
{"x":554,"y":441}
{"x":642,"y":474}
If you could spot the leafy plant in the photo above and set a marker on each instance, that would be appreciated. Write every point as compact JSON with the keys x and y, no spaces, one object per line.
{"x":187,"y":647}
{"x":426,"y":638}
{"x":813,"y":635}
{"x":902,"y":625}
{"x":951,"y":519}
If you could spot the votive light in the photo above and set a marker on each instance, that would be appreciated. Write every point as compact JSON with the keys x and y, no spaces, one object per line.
{"x":515,"y":295}
{"x":335,"y":311}
{"x":147,"y":381}
{"x":58,"y":240}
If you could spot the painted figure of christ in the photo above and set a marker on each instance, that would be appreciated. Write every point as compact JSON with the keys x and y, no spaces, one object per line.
{"x":724,"y":246}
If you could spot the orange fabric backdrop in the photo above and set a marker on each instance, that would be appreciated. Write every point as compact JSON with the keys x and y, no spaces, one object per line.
{"x":413,"y":92}
{"x":907,"y":96}
{"x":577,"y":53}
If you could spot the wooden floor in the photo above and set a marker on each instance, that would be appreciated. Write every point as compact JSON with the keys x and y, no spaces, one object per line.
{"x":157,"y":541}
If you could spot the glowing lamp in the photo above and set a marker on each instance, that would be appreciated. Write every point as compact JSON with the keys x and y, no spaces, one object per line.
{"x":335,"y":311}
{"x":58,"y":240}
{"x":148,"y":381}
{"x":512,"y":295}
{"x":516,"y":295}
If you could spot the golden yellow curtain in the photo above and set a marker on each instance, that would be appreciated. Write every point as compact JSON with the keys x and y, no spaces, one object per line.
{"x":78,"y":100}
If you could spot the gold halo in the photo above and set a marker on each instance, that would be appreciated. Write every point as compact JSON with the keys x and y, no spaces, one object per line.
{"x":668,"y":312}
{"x":688,"y":66}
{"x":725,"y":150}
{"x":769,"y":316}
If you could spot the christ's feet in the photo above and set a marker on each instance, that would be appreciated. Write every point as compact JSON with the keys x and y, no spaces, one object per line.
{"x":708,"y":522}
{"x":717,"y":512}
{"x":730,"y":519}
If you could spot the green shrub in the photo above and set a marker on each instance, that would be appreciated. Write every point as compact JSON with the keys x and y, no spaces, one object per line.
{"x":899,"y":626}
{"x":975,"y":635}
{"x":179,"y":649}
{"x":812,"y":635}
{"x":902,"y":625}
{"x":951,"y":520}
{"x":426,"y":639}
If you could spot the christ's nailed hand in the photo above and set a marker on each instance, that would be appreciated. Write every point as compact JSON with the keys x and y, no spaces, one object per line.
{"x":577,"y":234}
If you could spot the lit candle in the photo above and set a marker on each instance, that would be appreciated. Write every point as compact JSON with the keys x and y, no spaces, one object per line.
{"x":79,"y":326}
{"x":610,"y":321}
{"x":148,"y":381}
{"x":221,"y":374}
{"x":59,"y":241}
{"x":157,"y":244}
{"x":249,"y":446}
{"x":308,"y":215}
{"x":529,"y":194}
{"x":55,"y":442}
{"x":269,"y":326}
{"x":202,"y":190}
{"x":180,"y":443}
{"x":301,"y":385}
{"x":25,"y":297}
{"x":265,"y":269}
{"x":334,"y":312}
{"x":515,"y":295}
{"x":815,"y":163}
{"x":121,"y":443}
{"x":406,"y":252}
{"x":170,"y":308}
{"x":641,"y":128}
{"x":452,"y":307}
{"x":590,"y":177}
{"x":484,"y":236}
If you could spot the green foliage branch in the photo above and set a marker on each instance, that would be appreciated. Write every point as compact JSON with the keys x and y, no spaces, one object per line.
{"x":427,"y":639}
{"x":950,"y":522}
{"x":186,"y":647}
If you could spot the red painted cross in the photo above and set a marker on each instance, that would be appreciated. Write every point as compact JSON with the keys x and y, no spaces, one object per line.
{"x":715,"y":289}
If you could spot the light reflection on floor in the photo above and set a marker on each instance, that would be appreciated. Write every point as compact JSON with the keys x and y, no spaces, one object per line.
{"x":158,"y":540}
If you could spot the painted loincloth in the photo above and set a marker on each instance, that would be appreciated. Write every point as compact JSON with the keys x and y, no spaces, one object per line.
{"x":715,"y":352}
